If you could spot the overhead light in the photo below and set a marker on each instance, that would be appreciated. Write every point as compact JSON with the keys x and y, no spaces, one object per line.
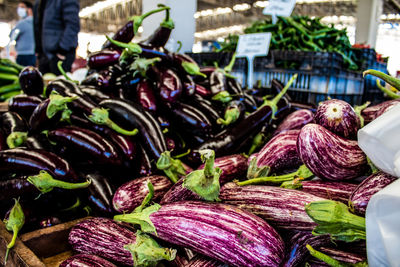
{"x":99,"y":6}
{"x":261,"y":4}
{"x":241,"y":7}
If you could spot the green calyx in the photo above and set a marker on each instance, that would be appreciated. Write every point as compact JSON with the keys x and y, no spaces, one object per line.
{"x":293,"y":184}
{"x":302,"y":173}
{"x":44,"y":182}
{"x":192,"y":69}
{"x":205,"y":183}
{"x":358,"y":110}
{"x":16,"y":139}
{"x":146,"y":199}
{"x":138,"y":20}
{"x":387,"y":78}
{"x":100,"y":116}
{"x":14,"y":223}
{"x":374,"y":169}
{"x":173,"y":168}
{"x":253,"y":171}
{"x":388,"y":92}
{"x":258,"y":141}
{"x":58,"y":103}
{"x":231,"y":115}
{"x":222,"y":96}
{"x":131,"y":47}
{"x":147,"y":252}
{"x":141,"y":65}
{"x":167,"y":22}
{"x":140,"y":218}
{"x":331,"y":261}
{"x":334,"y":218}
{"x":273,"y":104}
{"x":229,"y":67}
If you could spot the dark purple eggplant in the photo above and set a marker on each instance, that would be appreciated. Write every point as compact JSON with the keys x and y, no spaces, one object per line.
{"x":103,"y":79}
{"x":64,"y":88}
{"x":145,"y":96}
{"x":100,"y":194}
{"x":15,"y":128}
{"x":3,"y":141}
{"x":131,"y":115}
{"x":189,"y":86}
{"x":24,"y":105}
{"x":146,"y":165}
{"x":89,"y":143}
{"x":86,"y":260}
{"x":328,"y":155}
{"x":131,"y":194}
{"x":185,"y":64}
{"x":169,"y":85}
{"x":234,"y":87}
{"x":283,"y":208}
{"x":38,"y":142}
{"x":249,"y":102}
{"x":278,"y":154}
{"x":31,"y":81}
{"x":105,"y":238}
{"x":95,"y":94}
{"x":371,"y":113}
{"x":361,"y":195}
{"x":16,"y":187}
{"x":202,"y":91}
{"x":234,"y":111}
{"x":103,"y":58}
{"x":222,"y":232}
{"x":338,"y":117}
{"x":33,"y":161}
{"x":160,"y":36}
{"x":295,"y":120}
{"x":40,"y":120}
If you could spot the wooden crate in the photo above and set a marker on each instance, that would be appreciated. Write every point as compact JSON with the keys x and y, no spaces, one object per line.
{"x":45,"y":247}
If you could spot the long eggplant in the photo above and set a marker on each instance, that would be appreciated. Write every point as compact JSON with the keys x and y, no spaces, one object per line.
{"x":371,"y":113}
{"x":95,"y":94}
{"x":338,"y":117}
{"x":220,"y":231}
{"x":202,"y":261}
{"x":14,"y":127}
{"x":24,"y":105}
{"x":146,"y":163}
{"x":100,"y":193}
{"x":102,"y":59}
{"x":328,"y":155}
{"x":3,"y":141}
{"x":86,"y":260}
{"x":283,"y":208}
{"x":16,"y":187}
{"x":89,"y":143}
{"x":343,"y":256}
{"x":295,"y":120}
{"x":361,"y":195}
{"x":145,"y":96}
{"x":131,"y":194}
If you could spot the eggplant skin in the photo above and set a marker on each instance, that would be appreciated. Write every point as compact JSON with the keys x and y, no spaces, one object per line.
{"x":102,"y":237}
{"x":328,"y":155}
{"x":85,"y":260}
{"x":131,"y":194}
{"x":282,"y":208}
{"x":221,"y":232}
{"x":374,"y":183}
{"x":338,"y":191}
{"x":202,"y":261}
{"x":371,"y":113}
{"x":295,"y":120}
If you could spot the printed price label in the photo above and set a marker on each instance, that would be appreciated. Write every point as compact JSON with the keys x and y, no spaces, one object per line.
{"x":279,"y":8}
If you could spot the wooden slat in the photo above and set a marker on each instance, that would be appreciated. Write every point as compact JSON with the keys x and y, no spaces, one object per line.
{"x":3,"y":106}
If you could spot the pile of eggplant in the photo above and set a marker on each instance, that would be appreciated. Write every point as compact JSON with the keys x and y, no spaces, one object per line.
{"x":178,"y":165}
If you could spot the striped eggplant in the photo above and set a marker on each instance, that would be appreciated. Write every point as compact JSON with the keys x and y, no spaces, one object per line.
{"x":278,"y":154}
{"x":295,"y":120}
{"x":343,"y":256}
{"x":86,"y":260}
{"x":222,"y":232}
{"x":131,"y":194}
{"x":339,"y":191}
{"x":178,"y":193}
{"x":328,"y":155}
{"x":371,"y":113}
{"x":202,"y":261}
{"x":338,"y":117}
{"x":361,"y":195}
{"x":283,"y":208}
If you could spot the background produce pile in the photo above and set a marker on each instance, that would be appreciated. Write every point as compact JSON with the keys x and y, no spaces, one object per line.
{"x":148,"y":126}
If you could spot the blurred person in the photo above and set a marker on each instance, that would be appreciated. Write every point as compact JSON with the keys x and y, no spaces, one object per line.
{"x":56,"y":33}
{"x":23,"y":35}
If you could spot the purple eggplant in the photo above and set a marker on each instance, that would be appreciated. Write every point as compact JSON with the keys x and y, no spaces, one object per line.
{"x":283,"y":208}
{"x":89,"y":143}
{"x":207,"y":108}
{"x":178,"y":193}
{"x":100,"y":194}
{"x":343,"y":256}
{"x":31,"y":81}
{"x":94,"y":94}
{"x":328,"y":155}
{"x":64,"y":88}
{"x":234,"y":111}
{"x":189,"y":86}
{"x":371,"y":113}
{"x":169,"y":85}
{"x":15,"y":128}
{"x":86,"y":260}
{"x":295,"y":120}
{"x":203,"y":261}
{"x":338,"y":117}
{"x":131,"y":194}
{"x":145,"y":96}
{"x":146,"y":164}
{"x":278,"y":154}
{"x":16,"y":187}
{"x":24,"y":105}
{"x":202,"y":91}
{"x":3,"y":141}
{"x":40,"y":120}
{"x":361,"y":195}
{"x":103,"y":58}
{"x":160,"y":36}
{"x":220,"y":231}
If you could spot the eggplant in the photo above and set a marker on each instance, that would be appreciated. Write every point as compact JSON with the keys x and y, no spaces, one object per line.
{"x":16,"y":187}
{"x":145,"y":96}
{"x":202,"y":261}
{"x":249,"y":102}
{"x":234,"y":111}
{"x":103,"y":58}
{"x":279,"y":154}
{"x":282,"y":208}
{"x":189,"y":86}
{"x":169,"y":85}
{"x":94,"y":94}
{"x":24,"y":105}
{"x":14,"y":127}
{"x":86,"y":142}
{"x":295,"y":120}
{"x":222,"y":232}
{"x":338,"y":117}
{"x":146,"y":165}
{"x":343,"y":256}
{"x":202,"y":91}
{"x":64,"y":88}
{"x":178,"y":193}
{"x":330,"y":156}
{"x":100,"y":194}
{"x":33,"y":161}
{"x":371,"y":113}
{"x":361,"y":195}
{"x":133,"y":116}
{"x":3,"y":141}
{"x":105,"y":238}
{"x":207,"y":108}
{"x":86,"y":260}
{"x":131,"y":194}
{"x":31,"y":81}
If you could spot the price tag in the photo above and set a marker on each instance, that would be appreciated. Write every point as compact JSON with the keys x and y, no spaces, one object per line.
{"x":279,"y":8}
{"x":250,"y":46}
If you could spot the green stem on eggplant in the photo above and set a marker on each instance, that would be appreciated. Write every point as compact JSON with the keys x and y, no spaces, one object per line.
{"x":192,"y":69}
{"x":147,"y":198}
{"x":229,"y":67}
{"x":257,"y":141}
{"x":141,"y":65}
{"x":58,"y":103}
{"x":131,"y":47}
{"x":44,"y":182}
{"x":138,"y":20}
{"x":14,"y":223}
{"x":231,"y":115}
{"x":100,"y":116}
{"x":167,"y":22}
{"x":387,"y":78}
{"x":140,"y":218}
{"x":62,"y":71}
{"x":325,"y":258}
{"x":388,"y":92}
{"x":359,"y":109}
{"x":172,"y":168}
{"x":223,"y":97}
{"x":16,"y":139}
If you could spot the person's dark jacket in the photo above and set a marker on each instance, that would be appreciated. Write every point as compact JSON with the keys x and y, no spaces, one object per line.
{"x":60,"y":27}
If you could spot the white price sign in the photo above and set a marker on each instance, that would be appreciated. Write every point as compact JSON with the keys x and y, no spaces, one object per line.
{"x":279,"y":8}
{"x":250,"y":46}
